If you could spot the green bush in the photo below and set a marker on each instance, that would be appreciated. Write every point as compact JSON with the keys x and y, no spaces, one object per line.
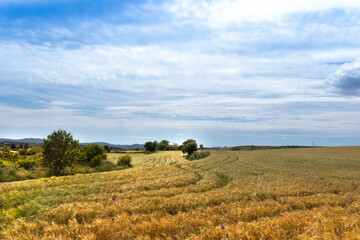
{"x":97,"y":160}
{"x":92,"y":155}
{"x":27,"y":163}
{"x":125,"y":161}
{"x":32,"y":151}
{"x":7,"y":155}
{"x":8,"y":172}
{"x":198,"y":155}
{"x":23,"y":152}
{"x":106,"y":166}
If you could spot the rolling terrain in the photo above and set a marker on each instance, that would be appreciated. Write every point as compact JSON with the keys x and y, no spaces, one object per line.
{"x":308,"y":193}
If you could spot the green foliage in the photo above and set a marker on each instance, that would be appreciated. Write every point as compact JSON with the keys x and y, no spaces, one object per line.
{"x":107,"y":148}
{"x":7,"y":155}
{"x":94,"y":155}
{"x":151,"y":146}
{"x":125,"y":161}
{"x":27,"y":163}
{"x":34,"y":150}
{"x":23,"y":152}
{"x":189,"y":146}
{"x":106,"y":166}
{"x":163,"y":144}
{"x":59,"y":151}
{"x":31,"y":152}
{"x":198,"y":155}
{"x":97,"y":160}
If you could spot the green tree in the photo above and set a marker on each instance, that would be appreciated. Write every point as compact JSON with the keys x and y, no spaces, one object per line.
{"x":107,"y":148}
{"x":189,"y":146}
{"x":151,"y":146}
{"x":94,"y":154}
{"x":163,"y":144}
{"x":60,"y":150}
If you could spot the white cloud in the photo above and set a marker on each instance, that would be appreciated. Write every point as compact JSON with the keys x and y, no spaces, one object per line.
{"x":238,"y":77}
{"x":218,"y":13}
{"x":347,"y":78}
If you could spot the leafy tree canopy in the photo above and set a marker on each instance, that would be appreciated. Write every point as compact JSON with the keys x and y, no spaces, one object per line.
{"x":151,"y":146}
{"x":60,"y":151}
{"x":189,"y":146}
{"x":163,"y":144}
{"x":95,"y":154}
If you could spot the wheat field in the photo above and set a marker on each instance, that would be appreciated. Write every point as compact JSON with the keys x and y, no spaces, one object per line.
{"x":141,"y":160}
{"x":310,"y":193}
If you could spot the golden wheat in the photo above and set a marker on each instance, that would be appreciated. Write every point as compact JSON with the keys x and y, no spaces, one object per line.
{"x":141,"y":160}
{"x":270,"y":194}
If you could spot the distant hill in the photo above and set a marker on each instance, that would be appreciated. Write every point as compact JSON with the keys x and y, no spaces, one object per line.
{"x":39,"y":140}
{"x":24,"y":140}
{"x":118,"y":146}
{"x":255,"y":147}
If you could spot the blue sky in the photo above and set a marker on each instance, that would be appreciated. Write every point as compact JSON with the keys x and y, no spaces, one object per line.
{"x":223,"y":72}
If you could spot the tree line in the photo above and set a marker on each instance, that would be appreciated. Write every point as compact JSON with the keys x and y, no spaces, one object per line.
{"x":189,"y":146}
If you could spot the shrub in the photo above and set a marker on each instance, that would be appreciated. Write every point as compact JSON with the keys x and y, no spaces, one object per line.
{"x":97,"y":160}
{"x":23,"y":152}
{"x":27,"y":163}
{"x":7,"y":155}
{"x":198,"y":155}
{"x":32,"y":151}
{"x":125,"y":161}
{"x":94,"y":155}
{"x":106,"y":166}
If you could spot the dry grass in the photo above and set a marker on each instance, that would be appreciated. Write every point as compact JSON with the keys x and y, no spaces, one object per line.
{"x":141,"y":160}
{"x":270,"y":194}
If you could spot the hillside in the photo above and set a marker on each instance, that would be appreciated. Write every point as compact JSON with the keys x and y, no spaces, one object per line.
{"x":40,"y":141}
{"x":23,"y":140}
{"x":309,"y":193}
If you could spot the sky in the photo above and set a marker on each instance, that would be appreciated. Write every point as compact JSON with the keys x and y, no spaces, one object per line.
{"x":223,"y":72}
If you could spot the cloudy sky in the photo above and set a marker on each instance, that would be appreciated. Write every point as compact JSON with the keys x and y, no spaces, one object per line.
{"x":225,"y":72}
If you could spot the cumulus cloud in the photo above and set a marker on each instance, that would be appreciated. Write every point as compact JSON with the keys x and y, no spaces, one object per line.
{"x":347,"y":78}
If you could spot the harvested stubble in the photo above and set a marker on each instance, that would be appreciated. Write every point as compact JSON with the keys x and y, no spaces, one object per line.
{"x":141,"y":160}
{"x":271,"y":194}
